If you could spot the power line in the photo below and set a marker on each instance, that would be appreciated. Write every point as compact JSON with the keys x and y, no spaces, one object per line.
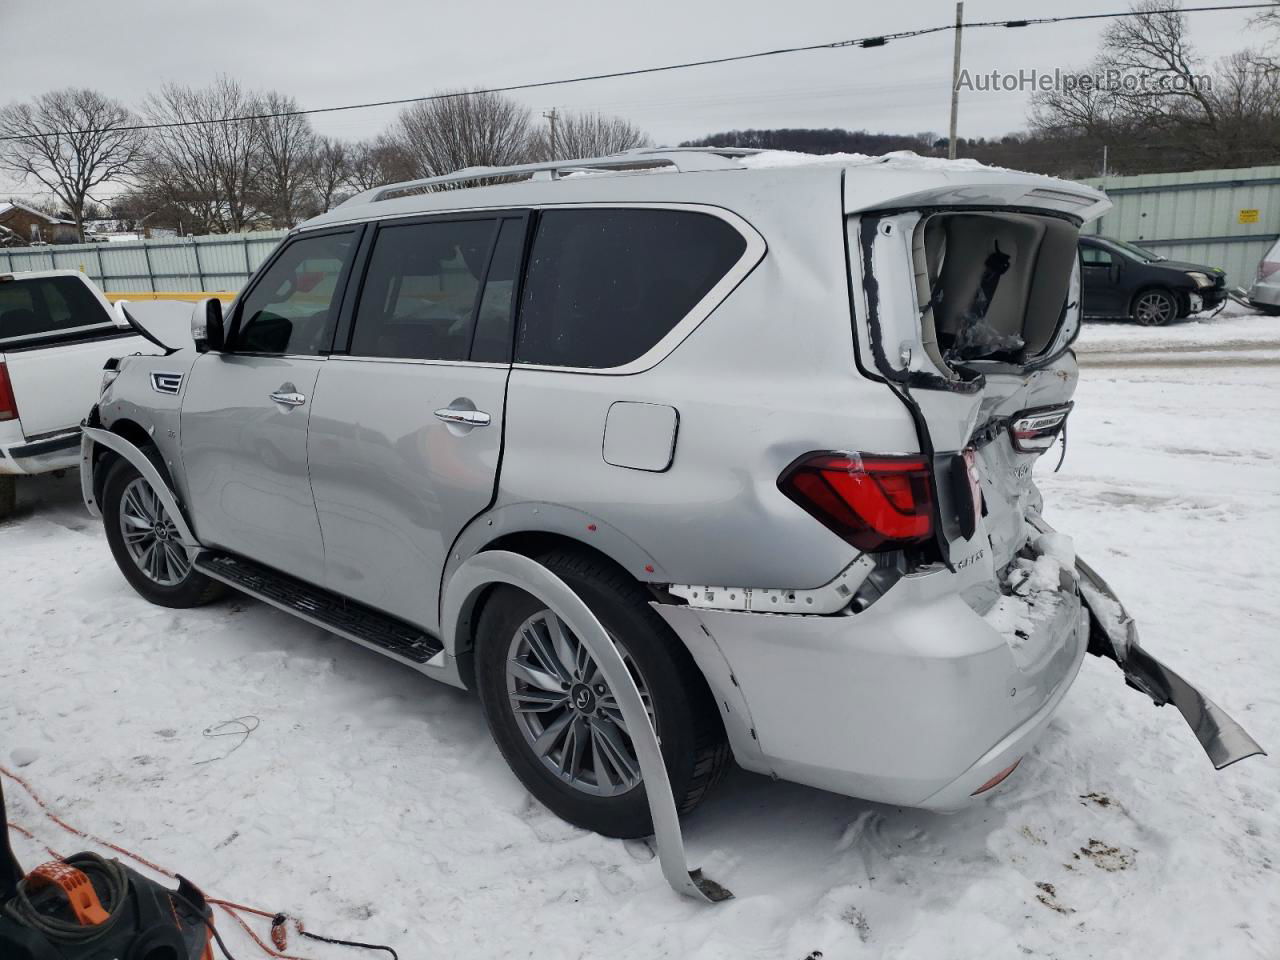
{"x":878,"y":40}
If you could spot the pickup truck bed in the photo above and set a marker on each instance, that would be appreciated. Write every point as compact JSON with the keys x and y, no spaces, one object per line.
{"x":56,"y":332}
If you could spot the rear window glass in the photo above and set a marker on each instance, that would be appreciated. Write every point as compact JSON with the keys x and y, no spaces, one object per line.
{"x":604,"y":286}
{"x":47,"y":306}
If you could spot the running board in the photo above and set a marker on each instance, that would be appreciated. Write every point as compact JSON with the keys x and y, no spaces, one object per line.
{"x":323,"y":608}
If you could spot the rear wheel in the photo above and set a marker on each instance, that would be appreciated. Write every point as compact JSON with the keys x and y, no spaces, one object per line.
{"x":144,"y":541}
{"x":1270,"y":309}
{"x":556,"y":719}
{"x":1154,"y":308}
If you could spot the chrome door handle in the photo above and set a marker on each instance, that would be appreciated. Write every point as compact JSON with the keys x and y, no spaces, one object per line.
{"x":288,"y":399}
{"x":465,"y":418}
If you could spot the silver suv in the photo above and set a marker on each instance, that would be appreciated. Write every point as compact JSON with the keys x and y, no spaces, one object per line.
{"x":774,"y":425}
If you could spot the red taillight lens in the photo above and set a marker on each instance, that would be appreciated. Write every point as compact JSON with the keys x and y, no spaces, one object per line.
{"x":872,"y":502}
{"x":8,"y":405}
{"x":1267,"y":267}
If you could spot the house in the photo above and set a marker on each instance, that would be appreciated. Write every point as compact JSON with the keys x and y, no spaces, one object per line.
{"x":21,"y":226}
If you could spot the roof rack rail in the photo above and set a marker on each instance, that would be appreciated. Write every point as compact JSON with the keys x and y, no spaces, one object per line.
{"x":683,"y":159}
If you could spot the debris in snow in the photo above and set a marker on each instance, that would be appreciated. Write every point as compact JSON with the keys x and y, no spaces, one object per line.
{"x":236,"y":727}
{"x":853,"y":916}
{"x":1048,"y":895}
{"x":1101,"y":799}
{"x":24,"y":756}
{"x":1108,"y":858}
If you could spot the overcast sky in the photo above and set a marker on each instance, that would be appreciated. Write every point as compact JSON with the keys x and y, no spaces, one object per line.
{"x":328,"y":52}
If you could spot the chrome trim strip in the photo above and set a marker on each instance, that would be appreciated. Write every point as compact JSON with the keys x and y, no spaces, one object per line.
{"x":501,"y":566}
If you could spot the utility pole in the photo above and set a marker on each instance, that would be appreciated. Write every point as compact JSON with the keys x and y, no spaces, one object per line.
{"x":955,"y":83}
{"x":1104,"y":159}
{"x":552,"y":116}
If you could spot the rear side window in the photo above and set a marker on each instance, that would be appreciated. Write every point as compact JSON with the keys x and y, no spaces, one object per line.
{"x":47,"y":307}
{"x":421,"y":290}
{"x":293,"y":307}
{"x":604,"y":286}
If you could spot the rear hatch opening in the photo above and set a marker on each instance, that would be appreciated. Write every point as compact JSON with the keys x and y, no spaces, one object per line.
{"x":992,"y":286}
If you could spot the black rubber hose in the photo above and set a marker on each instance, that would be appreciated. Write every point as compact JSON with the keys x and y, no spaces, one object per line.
{"x":113,"y":880}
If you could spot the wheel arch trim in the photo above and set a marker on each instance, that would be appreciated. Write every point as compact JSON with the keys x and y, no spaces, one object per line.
{"x":142,"y":463}
{"x":504,"y":567}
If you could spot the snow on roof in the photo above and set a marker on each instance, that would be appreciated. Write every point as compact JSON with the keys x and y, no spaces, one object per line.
{"x":8,"y":205}
{"x":899,"y":159}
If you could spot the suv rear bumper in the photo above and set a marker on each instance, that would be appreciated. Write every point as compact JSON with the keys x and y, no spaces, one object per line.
{"x":917,"y":701}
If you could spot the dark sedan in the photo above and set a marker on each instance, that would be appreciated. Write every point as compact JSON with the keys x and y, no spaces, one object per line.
{"x":1121,"y":279}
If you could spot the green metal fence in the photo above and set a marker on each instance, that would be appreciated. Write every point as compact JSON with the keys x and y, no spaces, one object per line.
{"x":214,"y":263}
{"x":1223,"y":218}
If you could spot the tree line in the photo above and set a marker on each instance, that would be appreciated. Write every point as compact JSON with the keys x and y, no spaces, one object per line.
{"x":1160,"y":108}
{"x":273,"y":171}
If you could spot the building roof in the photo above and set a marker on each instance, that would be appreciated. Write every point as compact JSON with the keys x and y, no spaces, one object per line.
{"x":7,"y":206}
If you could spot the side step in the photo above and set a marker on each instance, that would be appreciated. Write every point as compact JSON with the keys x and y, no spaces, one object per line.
{"x":321,"y":607}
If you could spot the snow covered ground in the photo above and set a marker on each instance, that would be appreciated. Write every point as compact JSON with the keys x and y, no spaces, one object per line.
{"x":371,"y":802}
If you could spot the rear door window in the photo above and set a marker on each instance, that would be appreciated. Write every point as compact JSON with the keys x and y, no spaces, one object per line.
{"x":604,"y":286}
{"x":293,"y":307}
{"x":421,"y":290}
{"x":49,"y":308}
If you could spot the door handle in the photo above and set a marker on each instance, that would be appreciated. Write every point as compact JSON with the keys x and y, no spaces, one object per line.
{"x":288,"y":398}
{"x":463,"y":418}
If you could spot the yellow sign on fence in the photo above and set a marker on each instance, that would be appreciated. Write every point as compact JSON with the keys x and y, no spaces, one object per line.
{"x":1247,"y":216}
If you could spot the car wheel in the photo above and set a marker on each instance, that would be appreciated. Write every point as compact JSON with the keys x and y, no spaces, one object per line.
{"x":144,"y":541}
{"x":8,"y":494}
{"x":1270,"y":309}
{"x":1154,"y":308}
{"x":556,"y":720}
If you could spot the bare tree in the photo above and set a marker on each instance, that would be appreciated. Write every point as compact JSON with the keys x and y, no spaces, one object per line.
{"x":208,"y":169}
{"x":1159,"y":102}
{"x":72,"y":141}
{"x":587,"y":135}
{"x":375,"y":163}
{"x":285,"y":189}
{"x":330,"y":171}
{"x":464,"y":130}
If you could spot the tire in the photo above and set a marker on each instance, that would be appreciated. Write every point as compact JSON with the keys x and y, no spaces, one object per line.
{"x":1268,"y":309}
{"x":1154,"y":307}
{"x":8,"y":494}
{"x":689,"y":727}
{"x":171,"y":582}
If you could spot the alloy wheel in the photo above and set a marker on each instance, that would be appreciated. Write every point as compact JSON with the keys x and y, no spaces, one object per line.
{"x":566,"y":710}
{"x":1154,"y":309}
{"x":150,"y":535}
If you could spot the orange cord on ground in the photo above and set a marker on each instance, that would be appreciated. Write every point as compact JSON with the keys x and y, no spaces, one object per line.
{"x":229,"y":907}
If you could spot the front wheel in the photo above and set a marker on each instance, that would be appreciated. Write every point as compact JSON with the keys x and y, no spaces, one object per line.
{"x":557,"y":721}
{"x":1155,"y":308}
{"x":144,"y":541}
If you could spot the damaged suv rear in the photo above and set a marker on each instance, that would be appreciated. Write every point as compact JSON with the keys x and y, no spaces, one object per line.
{"x":759,"y":435}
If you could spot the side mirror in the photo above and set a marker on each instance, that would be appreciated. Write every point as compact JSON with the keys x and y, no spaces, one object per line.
{"x":206,"y":325}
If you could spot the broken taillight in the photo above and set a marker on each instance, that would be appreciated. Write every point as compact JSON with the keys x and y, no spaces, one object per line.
{"x":873,"y":502}
{"x":1033,"y":431}
{"x":8,"y":403}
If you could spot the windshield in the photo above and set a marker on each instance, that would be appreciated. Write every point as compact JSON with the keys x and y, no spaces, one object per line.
{"x":1137,"y":251}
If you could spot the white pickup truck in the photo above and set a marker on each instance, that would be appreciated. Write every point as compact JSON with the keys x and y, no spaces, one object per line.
{"x":57,"y":331}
